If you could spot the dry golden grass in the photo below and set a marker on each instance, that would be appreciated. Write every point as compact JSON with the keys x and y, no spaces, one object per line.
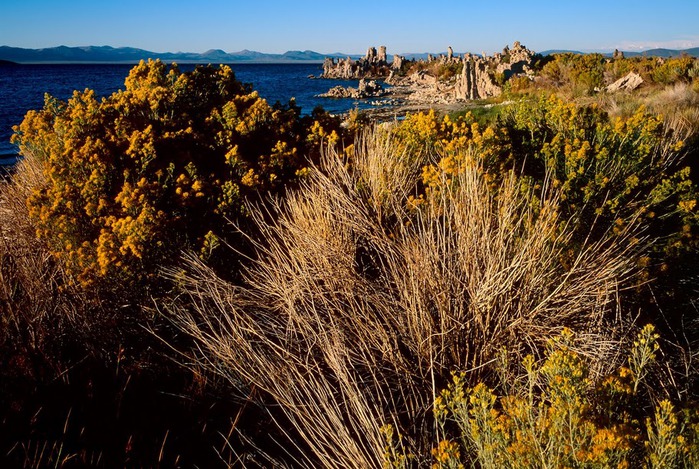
{"x":27,"y":275}
{"x":678,"y":103}
{"x":358,"y":309}
{"x":37,"y":305}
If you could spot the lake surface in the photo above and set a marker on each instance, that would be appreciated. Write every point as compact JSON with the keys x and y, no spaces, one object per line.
{"x":22,"y":88}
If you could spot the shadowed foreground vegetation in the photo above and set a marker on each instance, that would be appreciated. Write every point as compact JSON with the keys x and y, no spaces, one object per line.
{"x":192,"y":277}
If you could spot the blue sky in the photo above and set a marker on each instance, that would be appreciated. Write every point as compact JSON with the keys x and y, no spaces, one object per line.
{"x":350,"y":26}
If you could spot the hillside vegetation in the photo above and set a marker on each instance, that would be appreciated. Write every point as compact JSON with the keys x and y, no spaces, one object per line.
{"x":229,"y":283}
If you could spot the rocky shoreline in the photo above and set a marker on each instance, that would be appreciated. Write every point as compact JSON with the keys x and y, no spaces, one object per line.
{"x":443,"y":80}
{"x":445,"y":83}
{"x":365,"y":89}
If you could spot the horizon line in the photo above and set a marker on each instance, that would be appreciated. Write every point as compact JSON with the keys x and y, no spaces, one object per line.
{"x":341,"y":54}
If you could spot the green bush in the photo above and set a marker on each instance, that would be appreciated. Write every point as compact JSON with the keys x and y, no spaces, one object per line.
{"x":581,"y":72}
{"x":674,"y":70}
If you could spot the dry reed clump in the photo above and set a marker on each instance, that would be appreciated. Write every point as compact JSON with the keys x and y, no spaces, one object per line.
{"x":28,"y":277}
{"x":680,"y":104}
{"x":37,"y":307}
{"x":677,"y":95}
{"x":358,"y":308}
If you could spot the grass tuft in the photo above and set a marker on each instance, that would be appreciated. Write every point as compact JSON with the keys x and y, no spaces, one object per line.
{"x":360,"y":305}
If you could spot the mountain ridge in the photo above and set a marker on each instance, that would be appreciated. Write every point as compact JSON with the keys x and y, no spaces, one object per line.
{"x":109,"y":54}
{"x":657,"y":52}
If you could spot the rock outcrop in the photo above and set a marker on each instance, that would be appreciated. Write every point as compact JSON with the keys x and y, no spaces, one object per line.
{"x":365,"y":89}
{"x":397,"y":63}
{"x":381,"y":57}
{"x":514,"y":61}
{"x":343,"y":69}
{"x":627,"y":83}
{"x":372,"y":65}
{"x":480,"y":77}
{"x":475,"y":81}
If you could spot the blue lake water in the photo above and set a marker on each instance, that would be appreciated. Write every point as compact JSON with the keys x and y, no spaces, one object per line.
{"x":22,"y":88}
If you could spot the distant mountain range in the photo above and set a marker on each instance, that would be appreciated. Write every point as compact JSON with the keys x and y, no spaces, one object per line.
{"x":665,"y":53}
{"x":107,"y":54}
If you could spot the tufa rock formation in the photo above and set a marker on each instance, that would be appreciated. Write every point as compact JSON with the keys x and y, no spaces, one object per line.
{"x":372,"y":65}
{"x":475,"y":82}
{"x":397,"y":62}
{"x":343,"y":69}
{"x":365,"y":89}
{"x":381,"y":57}
{"x":478,"y":77}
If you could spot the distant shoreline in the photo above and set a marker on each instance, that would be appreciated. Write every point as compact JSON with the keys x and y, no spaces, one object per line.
{"x":182,"y":62}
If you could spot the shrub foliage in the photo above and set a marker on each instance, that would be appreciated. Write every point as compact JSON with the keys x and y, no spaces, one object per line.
{"x":132,"y":179}
{"x":554,"y":415}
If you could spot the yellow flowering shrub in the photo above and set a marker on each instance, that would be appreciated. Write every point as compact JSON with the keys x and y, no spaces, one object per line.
{"x":616,"y":175}
{"x":556,"y":416}
{"x":674,"y":69}
{"x":449,"y":136}
{"x":605,"y":169}
{"x":455,"y":141}
{"x":627,"y":177}
{"x":394,"y":456}
{"x":607,"y":164}
{"x":133,"y":178}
